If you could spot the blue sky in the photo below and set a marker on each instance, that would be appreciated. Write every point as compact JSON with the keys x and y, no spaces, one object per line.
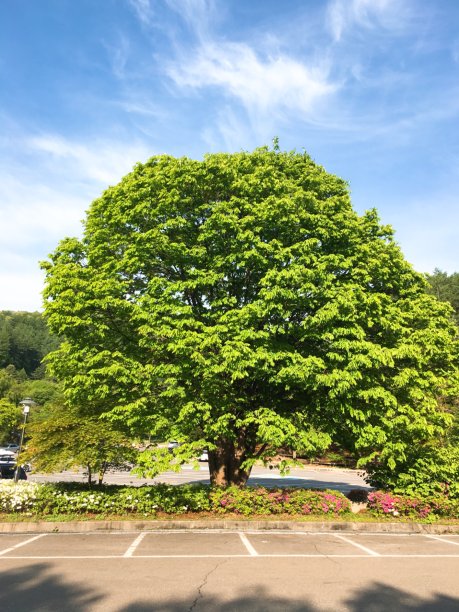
{"x":370,"y":88}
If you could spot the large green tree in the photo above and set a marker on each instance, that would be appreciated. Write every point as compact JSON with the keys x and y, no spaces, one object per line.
{"x":240,"y":304}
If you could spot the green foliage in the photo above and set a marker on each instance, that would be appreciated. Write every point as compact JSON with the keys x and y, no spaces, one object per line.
{"x":426,"y":471}
{"x":62,"y":437}
{"x":240,"y":304}
{"x":24,"y":341}
{"x":74,"y":498}
{"x":445,"y":288}
{"x":18,"y":497}
{"x":10,"y":419}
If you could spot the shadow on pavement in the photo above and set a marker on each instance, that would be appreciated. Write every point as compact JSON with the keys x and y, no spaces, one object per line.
{"x":382,"y":597}
{"x":36,"y":587}
{"x":377,"y":598}
{"x":283,"y":483}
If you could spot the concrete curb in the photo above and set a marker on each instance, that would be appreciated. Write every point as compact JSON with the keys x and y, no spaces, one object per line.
{"x":223,"y":525}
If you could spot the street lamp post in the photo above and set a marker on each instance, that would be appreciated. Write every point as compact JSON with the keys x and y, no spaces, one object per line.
{"x":26,"y":405}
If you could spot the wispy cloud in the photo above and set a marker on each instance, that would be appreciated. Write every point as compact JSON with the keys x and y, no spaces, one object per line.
{"x":344,"y":15}
{"x":45,"y":198}
{"x":262,"y":84}
{"x":100,"y":162}
{"x":144,"y":10}
{"x":199,"y":15}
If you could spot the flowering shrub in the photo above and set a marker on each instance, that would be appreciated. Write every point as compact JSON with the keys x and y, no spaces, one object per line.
{"x":20,"y":497}
{"x":388,"y":504}
{"x":147,"y":500}
{"x":259,"y":500}
{"x":73,"y":498}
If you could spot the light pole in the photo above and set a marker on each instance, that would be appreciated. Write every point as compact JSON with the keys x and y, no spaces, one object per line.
{"x":26,"y":404}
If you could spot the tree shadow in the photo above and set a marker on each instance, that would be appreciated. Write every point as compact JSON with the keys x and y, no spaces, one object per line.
{"x":381,"y":597}
{"x":378,"y":597}
{"x":284,"y":483}
{"x":39,"y":587}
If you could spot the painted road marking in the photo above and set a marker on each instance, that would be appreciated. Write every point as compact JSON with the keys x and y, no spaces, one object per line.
{"x":7,"y":550}
{"x":364,"y":548}
{"x":442,"y":540}
{"x":130,"y":551}
{"x":250,"y":549}
{"x":247,"y":556}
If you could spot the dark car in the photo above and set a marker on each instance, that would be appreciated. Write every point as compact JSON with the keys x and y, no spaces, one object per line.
{"x":8,"y":467}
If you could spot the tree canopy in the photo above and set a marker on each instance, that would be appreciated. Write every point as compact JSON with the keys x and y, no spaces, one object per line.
{"x":24,"y":341}
{"x":445,"y":287}
{"x":240,"y":304}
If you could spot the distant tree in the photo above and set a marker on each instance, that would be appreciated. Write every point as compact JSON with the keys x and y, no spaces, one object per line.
{"x":61,"y":437}
{"x":240,"y":304}
{"x":24,"y":341}
{"x":10,"y":418}
{"x":445,"y":288}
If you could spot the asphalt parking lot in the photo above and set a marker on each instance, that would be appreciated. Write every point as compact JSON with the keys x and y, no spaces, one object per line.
{"x":172,"y":571}
{"x":318,"y":477}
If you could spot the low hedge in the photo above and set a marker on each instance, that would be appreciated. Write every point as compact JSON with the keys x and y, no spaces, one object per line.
{"x":34,"y":499}
{"x":75,"y":498}
{"x":383,"y":503}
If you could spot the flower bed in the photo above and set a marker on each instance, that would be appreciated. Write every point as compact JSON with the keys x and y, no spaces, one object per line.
{"x":382,"y":503}
{"x":72,"y":498}
{"x":75,"y":499}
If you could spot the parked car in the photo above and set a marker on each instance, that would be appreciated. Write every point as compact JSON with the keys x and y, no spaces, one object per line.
{"x":14,"y":448}
{"x":173,"y":444}
{"x":204,"y":456}
{"x":8,"y":467}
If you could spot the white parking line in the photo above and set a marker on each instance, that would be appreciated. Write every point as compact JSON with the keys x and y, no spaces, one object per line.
{"x":367,"y":550}
{"x":130,"y":551}
{"x":231,"y":556}
{"x":432,"y":537}
{"x":250,"y":549}
{"x":7,"y":550}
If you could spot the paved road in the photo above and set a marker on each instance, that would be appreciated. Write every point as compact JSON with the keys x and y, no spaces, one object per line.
{"x":229,"y":572}
{"x":317,"y":477}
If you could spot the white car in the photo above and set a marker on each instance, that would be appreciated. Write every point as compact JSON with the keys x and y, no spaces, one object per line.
{"x":10,"y":448}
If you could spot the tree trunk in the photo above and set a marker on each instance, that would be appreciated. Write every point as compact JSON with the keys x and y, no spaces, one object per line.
{"x":102,"y":470}
{"x":225,"y":464}
{"x":89,"y":475}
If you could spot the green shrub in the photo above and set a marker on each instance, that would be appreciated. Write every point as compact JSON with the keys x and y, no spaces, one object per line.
{"x":263,"y":501}
{"x":383,"y":503}
{"x":75,"y":498}
{"x":425,"y":472}
{"x":20,"y":497}
{"x":111,"y":499}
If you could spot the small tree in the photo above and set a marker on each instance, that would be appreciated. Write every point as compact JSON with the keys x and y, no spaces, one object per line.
{"x":240,"y":304}
{"x":10,"y":419}
{"x":61,"y":437}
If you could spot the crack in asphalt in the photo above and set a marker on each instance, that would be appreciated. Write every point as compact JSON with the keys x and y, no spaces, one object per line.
{"x":203,"y":584}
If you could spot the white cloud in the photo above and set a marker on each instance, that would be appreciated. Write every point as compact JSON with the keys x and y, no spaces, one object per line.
{"x":199,"y":15}
{"x":21,"y":290}
{"x":44,"y":198}
{"x":269,"y":85}
{"x":144,"y":10}
{"x":342,"y":15}
{"x":101,"y":162}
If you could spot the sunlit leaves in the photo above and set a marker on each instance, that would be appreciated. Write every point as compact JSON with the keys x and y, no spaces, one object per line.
{"x":241,"y":303}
